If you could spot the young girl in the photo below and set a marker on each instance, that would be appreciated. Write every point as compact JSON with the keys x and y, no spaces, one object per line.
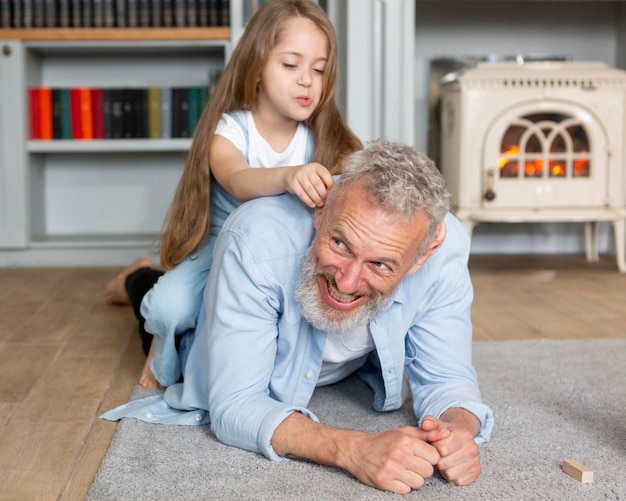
{"x":274,"y":101}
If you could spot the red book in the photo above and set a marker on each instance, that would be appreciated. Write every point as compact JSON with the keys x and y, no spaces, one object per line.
{"x":35,"y":113}
{"x":97,"y":114}
{"x":45,"y":107}
{"x":77,"y":126}
{"x":86,"y":119}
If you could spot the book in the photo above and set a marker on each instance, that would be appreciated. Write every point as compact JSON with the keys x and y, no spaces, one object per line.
{"x":140,"y":97}
{"x":144,"y":13}
{"x":45,"y":111}
{"x":180,"y":112}
{"x":128,"y":116}
{"x":203,"y":12}
{"x":120,"y":13}
{"x":168,"y":13}
{"x":40,"y":99}
{"x":50,"y":14}
{"x":98,"y":13}
{"x":179,"y":13}
{"x":17,"y":13}
{"x":86,"y":119}
{"x":57,"y":129}
{"x":38,"y":13}
{"x":198,"y":98}
{"x":87,"y":13}
{"x":154,"y":112}
{"x":5,"y":14}
{"x":27,"y":13}
{"x":75,"y":18}
{"x":192,"y":13}
{"x":156,"y":13}
{"x":77,"y":125}
{"x":97,"y":113}
{"x":64,"y":13}
{"x":66,"y":114}
{"x":214,"y":12}
{"x":116,"y":98}
{"x":224,"y":17}
{"x":110,"y":14}
{"x":166,"y":112}
{"x":132,"y":13}
{"x":35,"y":113}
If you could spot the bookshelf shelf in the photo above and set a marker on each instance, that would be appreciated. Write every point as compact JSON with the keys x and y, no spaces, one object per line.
{"x":105,"y":34}
{"x":109,"y":145}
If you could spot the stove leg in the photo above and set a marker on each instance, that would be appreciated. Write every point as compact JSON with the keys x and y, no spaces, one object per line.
{"x":591,"y":241}
{"x":619,"y":229}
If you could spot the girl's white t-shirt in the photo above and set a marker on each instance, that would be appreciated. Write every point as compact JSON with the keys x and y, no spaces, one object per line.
{"x":259,"y":152}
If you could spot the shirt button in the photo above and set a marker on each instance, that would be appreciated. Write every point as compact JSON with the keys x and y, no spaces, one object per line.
{"x":308,"y":375}
{"x":149,"y":415}
{"x":198,"y":417}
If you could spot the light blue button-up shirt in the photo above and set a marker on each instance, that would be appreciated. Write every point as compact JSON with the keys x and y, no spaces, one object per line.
{"x":254,"y":360}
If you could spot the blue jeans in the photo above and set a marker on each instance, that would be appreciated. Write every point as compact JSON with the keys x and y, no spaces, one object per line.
{"x":171,"y":308}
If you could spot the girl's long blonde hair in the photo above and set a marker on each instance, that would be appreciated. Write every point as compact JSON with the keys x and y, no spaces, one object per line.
{"x":188,"y":219}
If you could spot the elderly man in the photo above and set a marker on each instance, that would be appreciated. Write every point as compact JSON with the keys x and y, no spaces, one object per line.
{"x":298,"y":299}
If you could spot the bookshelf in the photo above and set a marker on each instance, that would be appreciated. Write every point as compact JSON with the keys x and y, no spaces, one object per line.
{"x":99,"y":201}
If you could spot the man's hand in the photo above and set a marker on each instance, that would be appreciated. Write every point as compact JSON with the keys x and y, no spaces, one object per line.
{"x":459,"y":461}
{"x":396,"y":460}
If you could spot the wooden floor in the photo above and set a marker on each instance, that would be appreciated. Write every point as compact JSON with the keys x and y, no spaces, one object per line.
{"x":65,"y":356}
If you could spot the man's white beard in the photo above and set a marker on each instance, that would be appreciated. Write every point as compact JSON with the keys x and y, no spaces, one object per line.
{"x":310,"y":303}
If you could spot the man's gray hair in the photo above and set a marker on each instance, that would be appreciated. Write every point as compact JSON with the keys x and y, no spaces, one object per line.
{"x":399,"y":179}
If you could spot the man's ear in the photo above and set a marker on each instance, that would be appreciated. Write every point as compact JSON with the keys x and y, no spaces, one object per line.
{"x":317,"y":217}
{"x":436,"y":243}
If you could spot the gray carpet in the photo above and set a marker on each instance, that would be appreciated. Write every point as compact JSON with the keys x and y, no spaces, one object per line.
{"x":552,"y":400}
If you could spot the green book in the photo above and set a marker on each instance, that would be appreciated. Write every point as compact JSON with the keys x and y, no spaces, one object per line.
{"x":66,"y":114}
{"x":195,"y":108}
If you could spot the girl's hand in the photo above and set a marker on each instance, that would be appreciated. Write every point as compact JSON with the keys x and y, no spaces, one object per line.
{"x":310,"y":182}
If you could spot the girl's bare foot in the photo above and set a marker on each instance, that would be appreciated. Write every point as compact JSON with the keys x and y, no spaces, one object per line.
{"x":147,"y":378}
{"x":115,"y":290}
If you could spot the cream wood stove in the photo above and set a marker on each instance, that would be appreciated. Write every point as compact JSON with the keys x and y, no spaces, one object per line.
{"x":537,"y":142}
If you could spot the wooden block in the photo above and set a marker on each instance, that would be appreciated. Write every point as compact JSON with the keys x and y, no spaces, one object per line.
{"x":576,"y":470}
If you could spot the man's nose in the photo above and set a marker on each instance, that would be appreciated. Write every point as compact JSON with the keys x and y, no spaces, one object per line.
{"x":348,"y":276}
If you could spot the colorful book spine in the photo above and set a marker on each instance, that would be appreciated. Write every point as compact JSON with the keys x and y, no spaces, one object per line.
{"x":66,"y":114}
{"x":97,"y":113}
{"x":35,"y":113}
{"x":56,"y":114}
{"x":86,"y":115}
{"x":77,"y":125}
{"x":154,"y":112}
{"x":45,"y":107}
{"x":166,"y":112}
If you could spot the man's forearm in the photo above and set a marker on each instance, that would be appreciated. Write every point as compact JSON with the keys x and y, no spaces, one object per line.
{"x":298,"y":437}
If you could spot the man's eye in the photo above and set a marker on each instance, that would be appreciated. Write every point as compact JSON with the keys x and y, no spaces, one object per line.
{"x":339,"y":243}
{"x":380,"y":266}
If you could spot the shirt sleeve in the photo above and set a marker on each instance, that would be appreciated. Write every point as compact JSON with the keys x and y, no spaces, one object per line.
{"x":242,"y":308}
{"x":439,"y":345}
{"x":230,"y":129}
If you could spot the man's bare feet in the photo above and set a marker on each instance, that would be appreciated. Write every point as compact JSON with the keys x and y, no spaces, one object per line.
{"x":115,"y":290}
{"x":147,"y":378}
